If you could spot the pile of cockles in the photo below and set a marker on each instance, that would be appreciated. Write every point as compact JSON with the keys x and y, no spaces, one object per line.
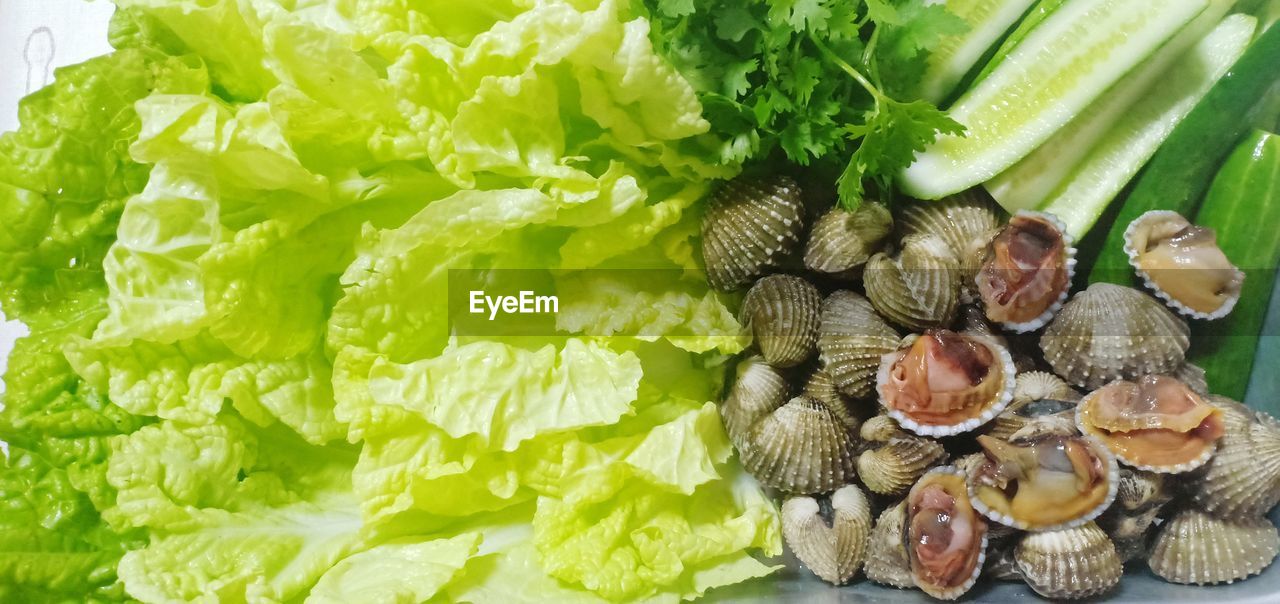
{"x":933,"y":405}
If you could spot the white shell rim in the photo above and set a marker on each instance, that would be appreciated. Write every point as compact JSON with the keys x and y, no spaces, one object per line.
{"x":1150,"y":284}
{"x":1113,"y":486}
{"x":1180,"y":468}
{"x":959,"y":590}
{"x":1070,"y":251}
{"x":988,"y":414}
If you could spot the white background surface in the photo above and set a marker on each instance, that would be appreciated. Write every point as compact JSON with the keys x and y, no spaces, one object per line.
{"x":37,"y":36}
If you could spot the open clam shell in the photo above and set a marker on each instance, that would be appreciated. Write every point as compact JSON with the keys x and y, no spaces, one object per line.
{"x":841,"y":241}
{"x":886,"y":562}
{"x":801,"y":447}
{"x":1108,"y":332}
{"x":946,"y":539}
{"x":1243,"y":477}
{"x":1048,"y":482}
{"x":835,"y":551}
{"x":1069,"y":564}
{"x":976,"y":376}
{"x":1194,"y":547}
{"x":920,"y":287}
{"x":851,"y":340}
{"x":751,"y":223}
{"x":782,"y":312}
{"x":758,"y":389}
{"x":1027,"y":271}
{"x":1183,"y":265}
{"x":893,"y":467}
{"x":1156,"y":424}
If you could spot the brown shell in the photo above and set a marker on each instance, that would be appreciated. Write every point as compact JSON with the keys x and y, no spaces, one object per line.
{"x":851,"y":340}
{"x":782,"y":312}
{"x":893,"y":467}
{"x":842,"y":241}
{"x":966,"y":221}
{"x":802,"y":447}
{"x":833,"y":552}
{"x":1194,"y":547}
{"x":880,"y":428}
{"x":886,"y":552}
{"x":819,"y":386}
{"x":1069,"y":564}
{"x":1243,"y":477}
{"x":919,"y":288}
{"x":758,"y":389}
{"x":1109,"y":332}
{"x":751,"y":223}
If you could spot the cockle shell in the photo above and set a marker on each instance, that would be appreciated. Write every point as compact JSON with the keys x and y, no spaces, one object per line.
{"x":1155,"y":424}
{"x":802,"y":447}
{"x":1049,"y":493}
{"x":1109,"y":332}
{"x":1001,"y":565}
{"x":880,"y":429}
{"x":758,"y":389}
{"x":1183,"y":265}
{"x":939,"y":512}
{"x":1194,"y":377}
{"x":1069,"y":564}
{"x":782,"y":312}
{"x":851,"y":340}
{"x":750,"y":224}
{"x":893,"y":467}
{"x":833,"y":552}
{"x":1036,"y":385}
{"x":819,"y":386}
{"x":842,"y":241}
{"x":886,"y":551}
{"x":1195,"y":547}
{"x":907,"y":378}
{"x":1142,"y":489}
{"x":1140,"y":497}
{"x":966,"y":221}
{"x":920,"y":287}
{"x":1027,"y":271}
{"x":1243,"y":477}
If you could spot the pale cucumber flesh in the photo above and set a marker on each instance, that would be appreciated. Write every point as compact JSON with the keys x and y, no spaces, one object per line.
{"x":1135,"y":137}
{"x":988,"y":20}
{"x":1029,"y":182}
{"x":1074,"y":56}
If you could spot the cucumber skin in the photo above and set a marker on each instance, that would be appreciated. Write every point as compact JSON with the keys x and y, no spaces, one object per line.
{"x":1178,"y":174}
{"x":1037,"y":14}
{"x":1243,"y":206}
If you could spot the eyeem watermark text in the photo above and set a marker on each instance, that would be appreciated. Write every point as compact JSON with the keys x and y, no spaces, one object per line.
{"x":526,"y":303}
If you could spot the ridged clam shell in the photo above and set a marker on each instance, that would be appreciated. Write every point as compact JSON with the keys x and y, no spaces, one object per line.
{"x":1001,"y":566}
{"x":886,"y":554}
{"x":1194,"y":547}
{"x":966,"y":221}
{"x":1193,"y":376}
{"x":1243,"y":477}
{"x":833,"y":552}
{"x":1109,"y":332}
{"x":750,"y":224}
{"x":782,"y":312}
{"x":1142,"y":489}
{"x":802,"y":447}
{"x":1069,"y":564}
{"x":1136,"y":236}
{"x":1068,"y":265}
{"x":1055,"y":423}
{"x":1130,"y":530}
{"x":851,"y":340}
{"x":758,"y":389}
{"x":998,"y":394}
{"x":1021,"y":412}
{"x":1110,"y":467}
{"x":893,"y":467}
{"x":842,"y":241}
{"x":880,"y":428}
{"x":920,"y":287}
{"x":943,"y":592}
{"x":819,"y":386}
{"x":1036,"y":385}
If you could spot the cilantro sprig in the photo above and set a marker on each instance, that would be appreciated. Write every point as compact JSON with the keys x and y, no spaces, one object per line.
{"x":831,"y":83}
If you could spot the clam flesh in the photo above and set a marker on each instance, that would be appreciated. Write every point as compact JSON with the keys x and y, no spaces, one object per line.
{"x":946,"y":539}
{"x":1109,"y":332}
{"x":751,"y":223}
{"x":1183,"y":265}
{"x":851,"y":340}
{"x":1194,"y":547}
{"x":832,"y":550}
{"x":1069,"y":564}
{"x":920,"y":287}
{"x":782,"y":312}
{"x":1027,"y":272}
{"x":842,"y":241}
{"x":893,"y":467}
{"x":1048,"y":482}
{"x":943,"y":383}
{"x":801,"y":447}
{"x":1156,"y":423}
{"x":886,"y":550}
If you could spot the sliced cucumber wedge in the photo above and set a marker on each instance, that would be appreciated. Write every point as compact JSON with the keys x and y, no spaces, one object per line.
{"x":1029,"y":182}
{"x":1034,"y":18}
{"x":1075,"y":55}
{"x":954,"y":56}
{"x":1083,"y":196}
